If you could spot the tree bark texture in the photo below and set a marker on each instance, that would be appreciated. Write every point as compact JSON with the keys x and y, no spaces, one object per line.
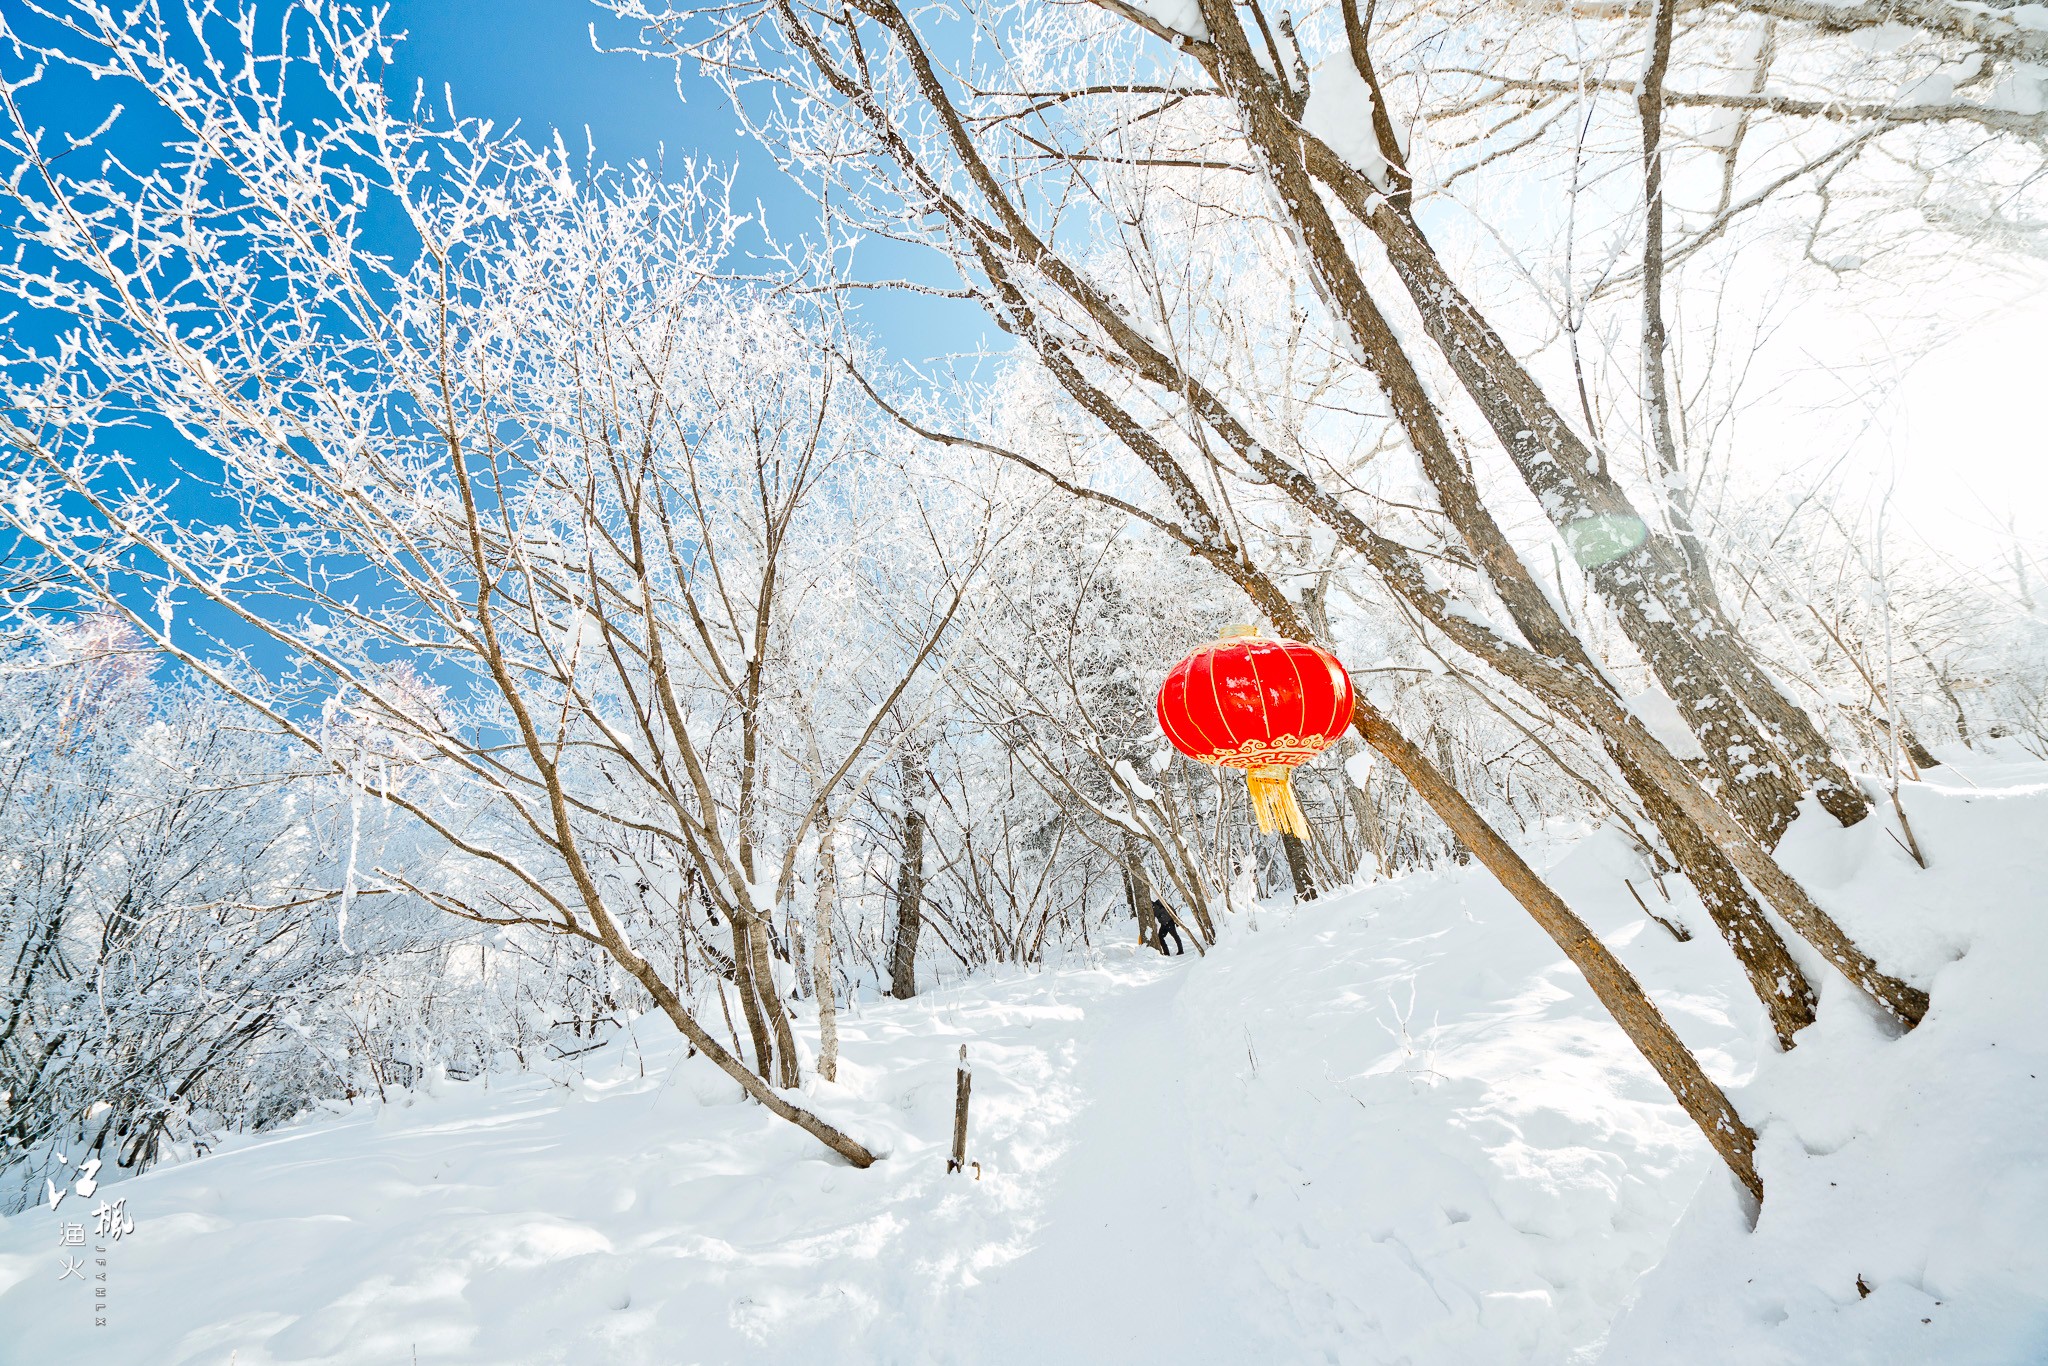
{"x":750,"y":1004}
{"x":1779,"y":982}
{"x":1139,"y":884}
{"x":1761,"y":746}
{"x":786,"y":1073}
{"x":909,"y":881}
{"x":963,"y":1089}
{"x":1296,"y":850}
{"x":821,"y":948}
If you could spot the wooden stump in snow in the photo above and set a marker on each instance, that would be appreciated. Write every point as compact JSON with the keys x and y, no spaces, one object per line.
{"x":958,"y":1162}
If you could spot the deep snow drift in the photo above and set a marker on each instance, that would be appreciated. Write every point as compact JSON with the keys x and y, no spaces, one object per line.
{"x":1391,"y":1126}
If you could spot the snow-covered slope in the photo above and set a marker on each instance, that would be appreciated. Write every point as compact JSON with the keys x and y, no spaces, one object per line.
{"x":1388,"y":1127}
{"x":1917,"y":1166}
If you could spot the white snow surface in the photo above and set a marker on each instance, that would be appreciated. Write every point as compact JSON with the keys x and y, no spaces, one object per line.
{"x":1339,"y":111}
{"x":1917,"y":1165}
{"x":1391,"y":1126}
{"x":1661,"y":717}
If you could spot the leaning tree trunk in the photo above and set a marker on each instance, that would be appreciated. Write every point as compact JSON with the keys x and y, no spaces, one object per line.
{"x":1202,"y":532}
{"x":909,"y":882}
{"x":1612,"y":983}
{"x":1565,"y":678}
{"x":1774,"y":975}
{"x":672,"y":1006}
{"x":1701,"y":662}
{"x":786,"y":1068}
{"x":1664,"y":604}
{"x":1616,"y":987}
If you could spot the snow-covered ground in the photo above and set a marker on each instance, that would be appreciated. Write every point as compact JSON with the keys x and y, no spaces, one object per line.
{"x":1391,"y":1126}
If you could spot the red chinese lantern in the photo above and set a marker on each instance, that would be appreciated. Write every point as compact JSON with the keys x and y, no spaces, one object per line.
{"x":1264,"y":706}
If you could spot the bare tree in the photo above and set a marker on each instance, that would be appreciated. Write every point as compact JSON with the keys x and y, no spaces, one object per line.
{"x":523,"y":499}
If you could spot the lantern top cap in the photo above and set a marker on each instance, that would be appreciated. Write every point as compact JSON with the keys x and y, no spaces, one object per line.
{"x":1237,"y":632}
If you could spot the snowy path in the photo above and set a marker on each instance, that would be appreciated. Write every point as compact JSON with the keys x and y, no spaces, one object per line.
{"x":1125,"y":1266}
{"x":1149,"y":1194}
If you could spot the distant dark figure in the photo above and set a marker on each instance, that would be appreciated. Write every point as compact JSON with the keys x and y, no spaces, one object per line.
{"x":1167,"y":925}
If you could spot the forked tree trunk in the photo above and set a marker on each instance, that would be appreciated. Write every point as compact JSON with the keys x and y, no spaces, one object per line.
{"x":608,"y":934}
{"x":740,"y":924}
{"x":671,"y":1005}
{"x":1774,"y":975}
{"x":786,"y":1071}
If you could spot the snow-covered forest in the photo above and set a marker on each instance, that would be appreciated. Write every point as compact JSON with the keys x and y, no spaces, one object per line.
{"x":538,"y":718}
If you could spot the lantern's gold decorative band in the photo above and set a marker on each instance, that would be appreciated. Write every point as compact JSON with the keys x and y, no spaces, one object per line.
{"x":1282,"y":752}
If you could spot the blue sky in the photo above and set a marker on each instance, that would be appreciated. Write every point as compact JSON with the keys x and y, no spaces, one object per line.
{"x":534,"y":61}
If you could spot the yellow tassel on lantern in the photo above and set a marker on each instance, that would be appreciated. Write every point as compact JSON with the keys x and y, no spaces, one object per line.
{"x":1273,"y":800}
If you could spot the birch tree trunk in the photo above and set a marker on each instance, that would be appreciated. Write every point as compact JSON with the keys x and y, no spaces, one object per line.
{"x":821,"y":947}
{"x":750,"y":999}
{"x":771,"y":1006}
